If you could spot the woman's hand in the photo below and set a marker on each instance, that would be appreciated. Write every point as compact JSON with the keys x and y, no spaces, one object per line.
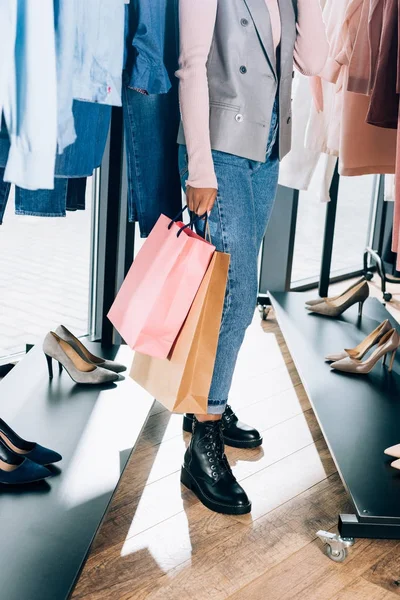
{"x":200,"y":200}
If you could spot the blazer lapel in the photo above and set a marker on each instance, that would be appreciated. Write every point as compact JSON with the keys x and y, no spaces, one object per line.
{"x":288,"y":19}
{"x":262,"y":21}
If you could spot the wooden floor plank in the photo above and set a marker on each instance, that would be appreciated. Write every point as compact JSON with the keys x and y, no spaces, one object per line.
{"x":386,"y":572}
{"x":360,"y":589}
{"x":308,"y":574}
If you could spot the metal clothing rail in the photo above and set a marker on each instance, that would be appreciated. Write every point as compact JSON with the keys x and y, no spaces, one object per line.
{"x":383,"y":218}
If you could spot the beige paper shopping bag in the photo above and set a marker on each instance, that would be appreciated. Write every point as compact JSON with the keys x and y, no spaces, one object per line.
{"x":182,"y":381}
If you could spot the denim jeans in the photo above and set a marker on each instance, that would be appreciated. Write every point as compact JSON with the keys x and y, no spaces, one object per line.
{"x":238,"y":221}
{"x":78,"y":161}
{"x":151,"y":127}
{"x":152,"y":45}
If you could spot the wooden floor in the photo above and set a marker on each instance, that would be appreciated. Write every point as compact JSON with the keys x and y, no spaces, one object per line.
{"x":158,"y":542}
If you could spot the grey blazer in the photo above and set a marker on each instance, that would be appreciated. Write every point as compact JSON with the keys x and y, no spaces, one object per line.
{"x":244,"y":78}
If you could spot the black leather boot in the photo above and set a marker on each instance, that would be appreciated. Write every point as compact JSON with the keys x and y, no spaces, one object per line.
{"x":235,"y":433}
{"x":207,"y":473}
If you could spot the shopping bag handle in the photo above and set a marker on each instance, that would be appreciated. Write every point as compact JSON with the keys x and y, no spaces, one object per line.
{"x":178,"y":217}
{"x":193,"y":222}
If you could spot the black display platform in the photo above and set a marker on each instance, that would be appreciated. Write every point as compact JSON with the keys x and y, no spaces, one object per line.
{"x":358,"y":415}
{"x":47,"y":528}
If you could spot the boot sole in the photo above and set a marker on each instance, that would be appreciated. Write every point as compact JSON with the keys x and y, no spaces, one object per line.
{"x":187,"y":426}
{"x":188,"y":481}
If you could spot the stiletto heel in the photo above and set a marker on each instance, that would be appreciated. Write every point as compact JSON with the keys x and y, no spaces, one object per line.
{"x":360,"y":308}
{"x":60,"y":368}
{"x":49,"y":365}
{"x":392,"y":360}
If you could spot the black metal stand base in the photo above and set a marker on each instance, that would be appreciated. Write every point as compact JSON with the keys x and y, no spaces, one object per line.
{"x":351,"y":527}
{"x":380,"y":265}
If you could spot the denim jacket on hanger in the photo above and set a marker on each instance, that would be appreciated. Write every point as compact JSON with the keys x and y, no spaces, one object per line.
{"x":146,"y":41}
{"x":152,"y":120}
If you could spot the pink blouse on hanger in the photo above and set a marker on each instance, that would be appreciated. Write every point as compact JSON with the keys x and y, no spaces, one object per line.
{"x":197,"y":21}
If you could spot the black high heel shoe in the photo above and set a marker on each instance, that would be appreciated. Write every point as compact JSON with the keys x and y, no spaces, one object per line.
{"x":17,"y":470}
{"x":31,"y":450}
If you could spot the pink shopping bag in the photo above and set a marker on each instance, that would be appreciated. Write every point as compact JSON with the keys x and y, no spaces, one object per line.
{"x":159,"y":289}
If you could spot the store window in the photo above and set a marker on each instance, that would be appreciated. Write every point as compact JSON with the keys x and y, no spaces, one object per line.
{"x":309,"y":238}
{"x":352,"y":223}
{"x":352,"y":230}
{"x":44,"y":276}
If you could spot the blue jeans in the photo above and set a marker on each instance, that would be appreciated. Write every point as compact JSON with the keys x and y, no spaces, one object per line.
{"x":238,"y":221}
{"x":78,"y":161}
{"x":151,"y":128}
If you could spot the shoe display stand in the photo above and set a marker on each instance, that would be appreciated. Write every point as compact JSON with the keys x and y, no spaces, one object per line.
{"x":359,"y":415}
{"x":47,"y":528}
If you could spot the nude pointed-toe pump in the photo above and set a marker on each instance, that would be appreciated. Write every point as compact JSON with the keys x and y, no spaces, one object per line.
{"x":363,"y":347}
{"x":79,"y":369}
{"x":387,"y":345}
{"x":319,"y":300}
{"x":393,"y":451}
{"x":335,"y":308}
{"x":76,"y":343}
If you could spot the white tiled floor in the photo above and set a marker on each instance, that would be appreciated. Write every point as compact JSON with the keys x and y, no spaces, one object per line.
{"x":44,"y":276}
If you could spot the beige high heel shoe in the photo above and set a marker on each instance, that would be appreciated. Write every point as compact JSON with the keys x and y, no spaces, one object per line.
{"x":97,"y":361}
{"x":361,"y":350}
{"x":319,"y":300}
{"x":335,"y":308}
{"x":79,"y":369}
{"x":389,"y":343}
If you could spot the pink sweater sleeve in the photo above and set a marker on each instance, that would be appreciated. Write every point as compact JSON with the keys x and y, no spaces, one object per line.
{"x":197,"y":22}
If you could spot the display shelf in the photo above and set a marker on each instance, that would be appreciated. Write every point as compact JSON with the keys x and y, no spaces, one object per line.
{"x":47,"y":528}
{"x":359,"y":415}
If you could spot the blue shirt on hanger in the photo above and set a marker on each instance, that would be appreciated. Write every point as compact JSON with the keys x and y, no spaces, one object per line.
{"x":147,"y":45}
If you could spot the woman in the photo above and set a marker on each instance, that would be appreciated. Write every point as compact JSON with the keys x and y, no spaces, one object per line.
{"x":235,"y":92}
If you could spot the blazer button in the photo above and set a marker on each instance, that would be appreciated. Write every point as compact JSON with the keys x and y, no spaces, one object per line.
{"x":243,"y":70}
{"x":239,"y":118}
{"x":244,"y":22}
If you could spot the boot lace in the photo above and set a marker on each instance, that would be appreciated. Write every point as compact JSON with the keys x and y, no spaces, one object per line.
{"x":214,"y":447}
{"x":228,"y":417}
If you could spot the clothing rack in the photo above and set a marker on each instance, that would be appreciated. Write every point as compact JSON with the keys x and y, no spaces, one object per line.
{"x":377,"y":255}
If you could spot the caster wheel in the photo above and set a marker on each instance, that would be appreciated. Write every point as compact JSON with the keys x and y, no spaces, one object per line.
{"x":387,"y":296}
{"x":264,"y":311}
{"x":336,"y":555}
{"x":369,"y":276}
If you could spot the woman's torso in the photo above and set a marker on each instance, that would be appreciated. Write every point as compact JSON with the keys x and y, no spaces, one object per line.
{"x":245,"y":73}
